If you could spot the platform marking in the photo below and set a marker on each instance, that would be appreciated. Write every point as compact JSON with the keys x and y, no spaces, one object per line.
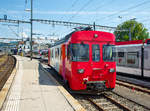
{"x":13,"y":99}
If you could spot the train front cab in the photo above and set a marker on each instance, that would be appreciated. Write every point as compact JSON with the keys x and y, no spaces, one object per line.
{"x":91,"y":65}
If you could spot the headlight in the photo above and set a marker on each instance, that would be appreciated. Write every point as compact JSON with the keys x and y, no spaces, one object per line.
{"x":112,"y":70}
{"x":80,"y":71}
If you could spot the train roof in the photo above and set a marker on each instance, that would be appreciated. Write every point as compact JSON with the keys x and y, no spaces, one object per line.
{"x":129,"y":42}
{"x":78,"y":32}
{"x":147,"y":41}
{"x":133,"y":42}
{"x":62,"y":40}
{"x":69,"y":35}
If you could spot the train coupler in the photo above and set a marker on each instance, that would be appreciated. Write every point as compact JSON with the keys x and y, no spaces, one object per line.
{"x":96,"y":85}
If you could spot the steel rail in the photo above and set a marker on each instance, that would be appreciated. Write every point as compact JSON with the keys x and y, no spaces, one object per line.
{"x":137,"y":88}
{"x":117,"y":103}
{"x":110,"y":100}
{"x":96,"y":105}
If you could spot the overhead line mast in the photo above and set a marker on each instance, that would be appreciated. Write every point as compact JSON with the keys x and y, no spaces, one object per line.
{"x":9,"y":39}
{"x":75,"y":24}
{"x":54,"y":22}
{"x":64,"y":23}
{"x":13,"y":21}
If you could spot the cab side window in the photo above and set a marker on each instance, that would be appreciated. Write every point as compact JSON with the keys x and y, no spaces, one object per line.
{"x":68,"y":52}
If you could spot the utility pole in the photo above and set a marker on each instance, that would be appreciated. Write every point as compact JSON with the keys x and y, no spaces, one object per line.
{"x":130,"y":35}
{"x":31,"y":30}
{"x":94,"y":26}
{"x":142,"y":60}
{"x":18,"y":30}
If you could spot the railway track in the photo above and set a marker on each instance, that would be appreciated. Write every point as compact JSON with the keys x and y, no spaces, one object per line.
{"x":106,"y":103}
{"x":3,"y":59}
{"x":133,"y":86}
{"x":6,"y":67}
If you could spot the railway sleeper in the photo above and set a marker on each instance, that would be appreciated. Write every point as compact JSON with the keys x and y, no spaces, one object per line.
{"x":108,"y":105}
{"x":111,"y":108}
{"x":117,"y":103}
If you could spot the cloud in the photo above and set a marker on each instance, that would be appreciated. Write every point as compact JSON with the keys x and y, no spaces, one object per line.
{"x":4,"y":11}
{"x":24,"y":35}
{"x":87,"y":12}
{"x":73,"y":12}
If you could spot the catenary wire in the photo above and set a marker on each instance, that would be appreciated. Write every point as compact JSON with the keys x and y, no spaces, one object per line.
{"x":132,"y":7}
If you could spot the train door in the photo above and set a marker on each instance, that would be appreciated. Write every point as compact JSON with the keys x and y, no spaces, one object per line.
{"x":96,"y":63}
{"x":49,"y":56}
{"x":121,"y":56}
{"x":147,"y":57}
{"x":63,"y":50}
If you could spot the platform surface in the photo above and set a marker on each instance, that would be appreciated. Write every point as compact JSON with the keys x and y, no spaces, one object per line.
{"x":33,"y":90}
{"x":134,"y":81}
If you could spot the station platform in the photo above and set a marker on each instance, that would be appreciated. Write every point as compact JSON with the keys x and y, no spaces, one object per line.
{"x":33,"y":90}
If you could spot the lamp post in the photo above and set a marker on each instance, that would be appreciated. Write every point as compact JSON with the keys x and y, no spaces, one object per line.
{"x":130,"y":36}
{"x":31,"y":23}
{"x":31,"y":28}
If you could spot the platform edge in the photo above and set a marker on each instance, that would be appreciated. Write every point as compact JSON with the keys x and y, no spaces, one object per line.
{"x":72,"y":101}
{"x":5,"y":90}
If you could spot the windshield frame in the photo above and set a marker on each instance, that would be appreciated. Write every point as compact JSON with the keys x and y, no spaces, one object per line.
{"x":113,"y":54}
{"x":77,"y":58}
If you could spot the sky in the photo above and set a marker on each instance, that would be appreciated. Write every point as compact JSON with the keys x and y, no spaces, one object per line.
{"x":102,"y":12}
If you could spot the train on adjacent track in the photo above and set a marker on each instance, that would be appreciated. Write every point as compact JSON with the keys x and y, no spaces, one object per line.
{"x":85,"y":60}
{"x":38,"y":54}
{"x":133,"y":57}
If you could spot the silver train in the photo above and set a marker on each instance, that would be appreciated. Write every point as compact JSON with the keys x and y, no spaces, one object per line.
{"x":40,"y":54}
{"x":129,"y":58}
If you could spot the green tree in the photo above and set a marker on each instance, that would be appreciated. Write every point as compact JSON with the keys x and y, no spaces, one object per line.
{"x":138,"y":31}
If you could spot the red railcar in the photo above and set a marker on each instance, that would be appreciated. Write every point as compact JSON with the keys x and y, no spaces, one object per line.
{"x":85,"y":59}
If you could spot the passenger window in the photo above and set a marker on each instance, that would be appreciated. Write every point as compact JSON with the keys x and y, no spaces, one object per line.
{"x":57,"y":52}
{"x":120,"y":54}
{"x":60,"y":53}
{"x":95,"y":53}
{"x":52,"y":53}
{"x":148,"y":41}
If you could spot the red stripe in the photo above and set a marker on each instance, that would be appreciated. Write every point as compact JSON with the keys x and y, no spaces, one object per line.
{"x":129,"y":42}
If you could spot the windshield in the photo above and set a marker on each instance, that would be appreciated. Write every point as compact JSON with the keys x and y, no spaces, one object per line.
{"x":79,"y":52}
{"x":108,"y":53}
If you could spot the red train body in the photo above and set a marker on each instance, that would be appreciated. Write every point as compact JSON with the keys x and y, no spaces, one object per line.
{"x":85,"y":60}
